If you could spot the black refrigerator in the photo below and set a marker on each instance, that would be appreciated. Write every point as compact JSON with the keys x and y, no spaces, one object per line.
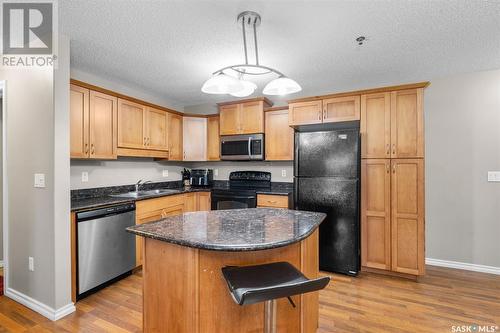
{"x":327,"y":179}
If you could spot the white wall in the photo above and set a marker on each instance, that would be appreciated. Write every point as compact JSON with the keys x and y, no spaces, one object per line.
{"x":462,"y":119}
{"x":224,"y":168}
{"x":124,"y":171}
{"x":125,"y":89}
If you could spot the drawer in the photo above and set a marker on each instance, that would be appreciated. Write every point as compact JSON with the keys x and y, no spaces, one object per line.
{"x":148,"y":205}
{"x":268,"y":200}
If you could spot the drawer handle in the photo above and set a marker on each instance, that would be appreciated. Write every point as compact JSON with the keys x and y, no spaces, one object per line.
{"x":271,"y":201}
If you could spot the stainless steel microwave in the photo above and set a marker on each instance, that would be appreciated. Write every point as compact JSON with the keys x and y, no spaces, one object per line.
{"x":248,"y":147}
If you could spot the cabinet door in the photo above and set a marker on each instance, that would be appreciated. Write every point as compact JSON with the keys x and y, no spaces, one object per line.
{"x":204,"y":201}
{"x":103,"y":125}
{"x":195,"y":139}
{"x":190,"y":202}
{"x":407,"y":196}
{"x":213,"y":139}
{"x":279,"y":136}
{"x":376,"y":213}
{"x":175,"y":137}
{"x":376,"y":125}
{"x":407,"y":124}
{"x":131,"y":125}
{"x":157,"y":126}
{"x":303,"y":113}
{"x":145,"y":218}
{"x":79,"y":122}
{"x":341,"y":109}
{"x":230,"y":119}
{"x":252,"y":117}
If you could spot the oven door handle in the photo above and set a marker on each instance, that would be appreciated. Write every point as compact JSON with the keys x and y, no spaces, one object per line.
{"x":249,"y":147}
{"x":231,"y":197}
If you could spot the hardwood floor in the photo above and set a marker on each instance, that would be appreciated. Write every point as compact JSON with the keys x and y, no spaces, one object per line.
{"x":369,"y":303}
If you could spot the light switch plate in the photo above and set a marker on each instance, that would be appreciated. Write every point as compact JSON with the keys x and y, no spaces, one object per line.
{"x":31,"y":264}
{"x":216,"y":172}
{"x":165,"y":173}
{"x":283,"y":173}
{"x":494,"y":176}
{"x":39,"y":180}
{"x":85,"y":177}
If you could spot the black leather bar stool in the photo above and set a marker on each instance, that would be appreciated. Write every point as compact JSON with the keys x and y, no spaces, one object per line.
{"x":266,"y":283}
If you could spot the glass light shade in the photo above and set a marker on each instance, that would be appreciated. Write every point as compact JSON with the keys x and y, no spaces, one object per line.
{"x":248,"y":89}
{"x":222,"y":84}
{"x":281,"y":86}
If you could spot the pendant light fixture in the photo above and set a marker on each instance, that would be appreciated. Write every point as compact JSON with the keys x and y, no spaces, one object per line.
{"x":230,"y":79}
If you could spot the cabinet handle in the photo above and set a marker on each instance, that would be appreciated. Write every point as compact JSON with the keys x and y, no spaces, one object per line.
{"x":86,"y":149}
{"x":388,"y":147}
{"x":393,"y":149}
{"x":92,"y":149}
{"x":147,"y":141}
{"x":388,"y":168}
{"x":394,"y":168}
{"x":319,"y":115}
{"x":324,"y":113}
{"x":272,"y":202}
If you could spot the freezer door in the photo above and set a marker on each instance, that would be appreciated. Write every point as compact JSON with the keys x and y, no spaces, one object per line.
{"x":340,"y":232}
{"x":327,"y":154}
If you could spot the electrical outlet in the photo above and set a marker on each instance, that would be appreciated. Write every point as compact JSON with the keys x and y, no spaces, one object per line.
{"x":165,"y":173}
{"x":283,"y":173}
{"x":31,"y":264}
{"x":39,"y":180}
{"x":216,"y":172}
{"x":85,"y":177}
{"x":494,"y":176}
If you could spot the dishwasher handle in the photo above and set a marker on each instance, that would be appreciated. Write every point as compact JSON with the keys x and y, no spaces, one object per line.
{"x":103,"y":212}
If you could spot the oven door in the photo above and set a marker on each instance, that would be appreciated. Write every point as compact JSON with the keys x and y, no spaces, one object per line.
{"x":242,"y":147}
{"x":233,"y":201}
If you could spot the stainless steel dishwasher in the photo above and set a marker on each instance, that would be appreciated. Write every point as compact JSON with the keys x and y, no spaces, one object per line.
{"x":106,"y":251}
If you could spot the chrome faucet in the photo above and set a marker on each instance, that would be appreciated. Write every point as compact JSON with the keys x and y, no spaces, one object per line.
{"x":139,"y":184}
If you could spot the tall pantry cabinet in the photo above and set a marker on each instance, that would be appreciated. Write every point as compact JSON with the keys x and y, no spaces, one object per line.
{"x":392,"y":182}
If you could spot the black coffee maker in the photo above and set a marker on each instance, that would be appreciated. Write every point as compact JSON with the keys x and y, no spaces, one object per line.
{"x":202,"y":177}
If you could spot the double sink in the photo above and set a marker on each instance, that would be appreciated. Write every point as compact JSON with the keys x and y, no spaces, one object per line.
{"x":141,"y":194}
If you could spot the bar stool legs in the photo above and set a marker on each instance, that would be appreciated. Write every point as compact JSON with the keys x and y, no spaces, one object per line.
{"x":270,"y":316}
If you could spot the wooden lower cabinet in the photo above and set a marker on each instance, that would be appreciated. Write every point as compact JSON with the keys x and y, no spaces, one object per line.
{"x":392,"y":215}
{"x":376,"y":213}
{"x":272,"y":201}
{"x":155,"y":209}
{"x":407,"y":216}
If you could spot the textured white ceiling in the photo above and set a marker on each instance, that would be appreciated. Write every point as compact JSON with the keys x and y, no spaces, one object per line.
{"x":171,"y":47}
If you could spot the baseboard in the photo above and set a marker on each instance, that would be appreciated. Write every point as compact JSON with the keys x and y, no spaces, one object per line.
{"x":463,"y":265}
{"x":39,"y":307}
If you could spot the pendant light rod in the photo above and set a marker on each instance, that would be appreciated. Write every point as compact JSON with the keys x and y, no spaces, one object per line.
{"x":241,"y":69}
{"x":244,"y":40}
{"x":255,"y":40}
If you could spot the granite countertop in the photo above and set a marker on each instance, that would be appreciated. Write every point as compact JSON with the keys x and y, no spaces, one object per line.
{"x":103,"y":196}
{"x":249,"y":229}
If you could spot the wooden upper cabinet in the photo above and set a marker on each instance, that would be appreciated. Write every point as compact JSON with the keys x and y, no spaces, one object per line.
{"x":102,"y":125}
{"x":407,"y":124}
{"x":376,"y":125}
{"x":376,"y":213}
{"x":302,"y":113}
{"x":279,"y":136}
{"x":79,"y":122}
{"x":175,"y":137}
{"x":131,"y":124}
{"x":246,"y":117}
{"x":213,"y":139}
{"x":341,"y":109}
{"x":229,"y":116}
{"x":195,"y":139}
{"x":157,"y":129}
{"x":252,"y":117}
{"x":407,"y":216}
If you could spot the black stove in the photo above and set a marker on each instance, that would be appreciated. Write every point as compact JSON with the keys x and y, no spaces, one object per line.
{"x":242,"y":190}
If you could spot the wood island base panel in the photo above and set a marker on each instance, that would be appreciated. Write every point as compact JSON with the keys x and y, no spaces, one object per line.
{"x":185,"y":292}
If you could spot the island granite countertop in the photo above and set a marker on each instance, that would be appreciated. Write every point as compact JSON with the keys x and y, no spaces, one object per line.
{"x":249,"y":229}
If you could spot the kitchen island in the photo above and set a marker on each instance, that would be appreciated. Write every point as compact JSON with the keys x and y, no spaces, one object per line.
{"x":183,"y":287}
